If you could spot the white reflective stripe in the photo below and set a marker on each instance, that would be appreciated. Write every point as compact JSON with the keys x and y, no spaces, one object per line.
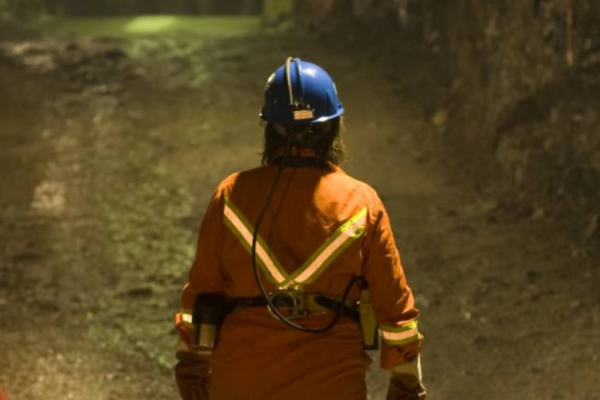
{"x":346,"y":235}
{"x":399,"y":336}
{"x":314,"y":266}
{"x":260,"y":251}
{"x":187,"y":318}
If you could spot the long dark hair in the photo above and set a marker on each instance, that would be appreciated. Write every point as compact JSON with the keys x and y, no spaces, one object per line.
{"x":323,"y":138}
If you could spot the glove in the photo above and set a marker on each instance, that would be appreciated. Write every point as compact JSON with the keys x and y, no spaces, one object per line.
{"x":405,"y":383}
{"x":192,"y":374}
{"x":405,"y":387}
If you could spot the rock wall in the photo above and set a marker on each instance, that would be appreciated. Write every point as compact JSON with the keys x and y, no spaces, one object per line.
{"x":15,"y":12}
{"x":521,"y":95}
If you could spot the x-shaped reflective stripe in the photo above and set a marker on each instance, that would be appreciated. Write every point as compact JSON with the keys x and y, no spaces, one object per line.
{"x":242,"y":229}
{"x":316,"y":264}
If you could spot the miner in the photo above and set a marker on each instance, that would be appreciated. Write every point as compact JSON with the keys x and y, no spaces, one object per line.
{"x":297,"y":270}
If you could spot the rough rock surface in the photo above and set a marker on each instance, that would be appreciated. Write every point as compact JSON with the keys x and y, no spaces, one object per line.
{"x":513,"y":91}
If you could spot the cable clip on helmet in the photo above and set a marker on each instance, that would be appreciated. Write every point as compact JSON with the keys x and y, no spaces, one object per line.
{"x":300,"y":93}
{"x":300,"y":110}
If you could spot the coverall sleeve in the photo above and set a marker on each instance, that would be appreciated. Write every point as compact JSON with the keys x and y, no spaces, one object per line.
{"x":205,"y":275}
{"x":390,"y":296}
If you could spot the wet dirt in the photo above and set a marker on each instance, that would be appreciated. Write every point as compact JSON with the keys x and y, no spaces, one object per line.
{"x":111,"y":149}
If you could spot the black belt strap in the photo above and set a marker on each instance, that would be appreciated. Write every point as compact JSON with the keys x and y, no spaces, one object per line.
{"x":284,"y":302}
{"x":332,"y":304}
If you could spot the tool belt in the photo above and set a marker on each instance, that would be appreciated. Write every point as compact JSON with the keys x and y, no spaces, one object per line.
{"x":300,"y":304}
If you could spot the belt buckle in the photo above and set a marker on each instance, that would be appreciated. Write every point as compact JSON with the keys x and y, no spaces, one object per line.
{"x":298,"y":309}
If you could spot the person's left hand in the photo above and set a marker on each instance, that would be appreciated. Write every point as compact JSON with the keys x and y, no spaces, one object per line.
{"x":405,"y":387}
{"x":406,"y":382}
{"x":192,"y":373}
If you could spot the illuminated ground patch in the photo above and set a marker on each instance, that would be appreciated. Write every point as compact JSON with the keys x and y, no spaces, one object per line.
{"x":149,"y":25}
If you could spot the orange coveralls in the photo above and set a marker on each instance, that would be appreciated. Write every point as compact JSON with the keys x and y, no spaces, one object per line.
{"x":322,"y":229}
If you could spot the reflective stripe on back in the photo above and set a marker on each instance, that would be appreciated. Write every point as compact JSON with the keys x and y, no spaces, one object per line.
{"x":343,"y":237}
{"x":331,"y":249}
{"x":239,"y":226}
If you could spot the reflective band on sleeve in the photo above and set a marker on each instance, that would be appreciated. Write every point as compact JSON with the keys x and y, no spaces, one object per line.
{"x":237,"y":224}
{"x":186,"y":318}
{"x":400,"y":335}
{"x":331,"y":249}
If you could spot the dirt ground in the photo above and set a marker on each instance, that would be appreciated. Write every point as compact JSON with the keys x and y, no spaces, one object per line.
{"x":111,"y":149}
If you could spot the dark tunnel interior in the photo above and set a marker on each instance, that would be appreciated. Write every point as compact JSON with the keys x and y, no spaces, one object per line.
{"x":476,"y":122}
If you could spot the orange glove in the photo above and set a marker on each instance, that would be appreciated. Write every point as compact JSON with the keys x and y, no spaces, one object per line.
{"x":192,"y":373}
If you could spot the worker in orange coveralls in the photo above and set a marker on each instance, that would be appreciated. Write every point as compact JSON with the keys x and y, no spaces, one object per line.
{"x":293,"y":260}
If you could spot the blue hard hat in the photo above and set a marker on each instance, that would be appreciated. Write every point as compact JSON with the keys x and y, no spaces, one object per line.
{"x":313,"y":96}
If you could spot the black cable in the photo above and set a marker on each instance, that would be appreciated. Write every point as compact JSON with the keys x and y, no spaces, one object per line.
{"x":339,"y":307}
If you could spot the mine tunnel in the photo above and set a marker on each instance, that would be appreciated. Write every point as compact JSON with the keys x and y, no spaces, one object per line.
{"x":423,"y":176}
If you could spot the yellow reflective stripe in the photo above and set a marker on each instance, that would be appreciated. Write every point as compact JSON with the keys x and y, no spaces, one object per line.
{"x":398,"y":329}
{"x":186,"y":317}
{"x":303,"y":114}
{"x":331,"y":249}
{"x":235,"y":221}
{"x":335,"y":245}
{"x":400,"y":335}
